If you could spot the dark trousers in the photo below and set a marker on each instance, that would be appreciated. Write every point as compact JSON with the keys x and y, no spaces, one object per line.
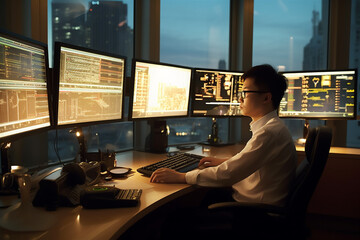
{"x":199,"y":221}
{"x":186,"y":218}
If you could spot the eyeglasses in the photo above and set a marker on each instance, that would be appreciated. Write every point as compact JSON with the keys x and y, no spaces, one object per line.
{"x":242,"y":94}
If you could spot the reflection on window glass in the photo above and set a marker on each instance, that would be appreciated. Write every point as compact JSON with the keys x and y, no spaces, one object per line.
{"x":106,"y":26}
{"x":112,"y":137}
{"x":195,"y":34}
{"x":102,"y":25}
{"x":291,"y":36}
{"x":353,"y":126}
{"x":195,"y":130}
{"x":62,"y":146}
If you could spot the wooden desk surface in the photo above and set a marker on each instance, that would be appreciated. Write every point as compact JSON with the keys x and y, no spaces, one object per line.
{"x":338,"y":152}
{"x":80,"y":223}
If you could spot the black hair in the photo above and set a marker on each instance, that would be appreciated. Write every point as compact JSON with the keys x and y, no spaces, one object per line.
{"x":268,"y":79}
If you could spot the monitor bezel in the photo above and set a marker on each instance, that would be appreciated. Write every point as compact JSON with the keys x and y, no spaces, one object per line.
{"x":131,"y":88}
{"x":40,"y":45}
{"x":319,"y":117}
{"x":56,"y":85}
{"x":193,"y":92}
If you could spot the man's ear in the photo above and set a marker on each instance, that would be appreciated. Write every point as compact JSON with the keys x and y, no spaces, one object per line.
{"x":268,"y":97}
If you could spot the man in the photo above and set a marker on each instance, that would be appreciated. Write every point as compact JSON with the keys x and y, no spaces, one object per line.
{"x":263,"y":171}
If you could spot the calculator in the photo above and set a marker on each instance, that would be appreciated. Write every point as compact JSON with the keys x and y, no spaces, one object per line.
{"x":109,"y":197}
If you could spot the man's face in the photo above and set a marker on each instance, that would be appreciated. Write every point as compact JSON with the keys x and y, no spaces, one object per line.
{"x":252,"y":103}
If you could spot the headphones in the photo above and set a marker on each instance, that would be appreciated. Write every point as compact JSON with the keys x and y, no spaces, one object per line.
{"x":83,"y":172}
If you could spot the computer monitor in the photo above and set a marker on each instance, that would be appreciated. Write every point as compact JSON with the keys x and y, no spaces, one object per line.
{"x":324,"y":95}
{"x":24,"y":102}
{"x":215,"y":93}
{"x":159,"y":90}
{"x":90,"y":86}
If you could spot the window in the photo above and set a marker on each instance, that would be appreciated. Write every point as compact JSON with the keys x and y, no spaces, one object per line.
{"x":101,"y":25}
{"x":291,"y":36}
{"x":195,"y":34}
{"x":353,"y":127}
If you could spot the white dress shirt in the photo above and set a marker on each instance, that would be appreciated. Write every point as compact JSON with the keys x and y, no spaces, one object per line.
{"x":262,"y":172}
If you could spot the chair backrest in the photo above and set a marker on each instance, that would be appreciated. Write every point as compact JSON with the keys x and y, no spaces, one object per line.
{"x":308,"y":173}
{"x":302,"y":168}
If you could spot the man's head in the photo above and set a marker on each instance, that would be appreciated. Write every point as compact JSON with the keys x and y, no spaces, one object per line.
{"x":263,"y":90}
{"x":267,"y":79}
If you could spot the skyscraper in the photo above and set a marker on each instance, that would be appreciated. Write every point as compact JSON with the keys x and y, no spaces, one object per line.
{"x":108,"y":28}
{"x":355,"y":36}
{"x":68,"y":21}
{"x":102,"y":25}
{"x":222,"y":64}
{"x":314,"y":56}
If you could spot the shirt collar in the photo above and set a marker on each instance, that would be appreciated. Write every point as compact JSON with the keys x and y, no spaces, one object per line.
{"x":262,"y":121}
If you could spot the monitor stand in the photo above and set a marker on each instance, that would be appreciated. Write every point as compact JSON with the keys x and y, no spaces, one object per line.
{"x":24,"y":216}
{"x":214,"y":139}
{"x":301,"y":141}
{"x":157,"y":140}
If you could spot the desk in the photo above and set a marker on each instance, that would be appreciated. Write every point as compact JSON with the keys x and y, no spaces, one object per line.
{"x":79,"y":223}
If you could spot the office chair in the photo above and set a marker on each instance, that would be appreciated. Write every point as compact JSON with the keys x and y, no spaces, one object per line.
{"x":262,"y":221}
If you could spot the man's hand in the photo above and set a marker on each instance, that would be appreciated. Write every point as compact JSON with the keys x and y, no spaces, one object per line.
{"x":166,"y":175}
{"x":211,"y":161}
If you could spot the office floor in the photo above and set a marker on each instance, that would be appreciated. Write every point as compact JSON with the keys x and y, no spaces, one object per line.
{"x":333,"y":228}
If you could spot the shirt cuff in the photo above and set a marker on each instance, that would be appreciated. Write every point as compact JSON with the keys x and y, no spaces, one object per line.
{"x":191,"y":176}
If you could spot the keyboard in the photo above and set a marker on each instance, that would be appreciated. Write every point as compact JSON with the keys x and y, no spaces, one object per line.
{"x":110,"y":197}
{"x":181,"y":162}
